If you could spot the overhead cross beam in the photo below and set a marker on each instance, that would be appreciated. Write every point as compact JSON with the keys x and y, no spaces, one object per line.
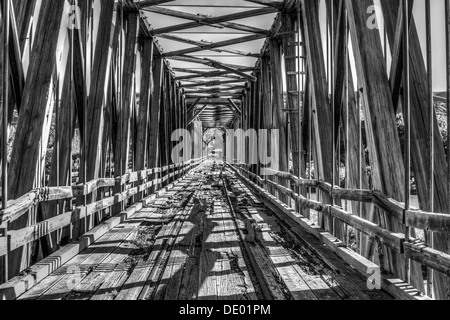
{"x":275,"y":4}
{"x":219,"y":65}
{"x":201,"y":44}
{"x":187,"y":70}
{"x":212,"y":83}
{"x":205,"y":20}
{"x":225,"y":92}
{"x":216,"y":20}
{"x":234,"y":106}
{"x":213,"y":90}
{"x":214,"y":74}
{"x":209,"y":101}
{"x":196,"y":102}
{"x":223,"y":96}
{"x":150,"y":3}
{"x":198,"y":114}
{"x":216,"y":45}
{"x":207,"y":62}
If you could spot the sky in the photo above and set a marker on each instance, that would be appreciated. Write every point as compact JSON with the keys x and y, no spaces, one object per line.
{"x":438,"y":38}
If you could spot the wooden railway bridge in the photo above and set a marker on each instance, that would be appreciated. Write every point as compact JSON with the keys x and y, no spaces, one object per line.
{"x":93,"y":206}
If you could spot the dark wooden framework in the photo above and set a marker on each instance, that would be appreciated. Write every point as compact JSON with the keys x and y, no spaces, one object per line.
{"x":125,"y":139}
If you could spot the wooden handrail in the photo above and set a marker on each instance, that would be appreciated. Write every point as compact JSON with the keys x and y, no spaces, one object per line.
{"x":19,"y":238}
{"x":20,"y":206}
{"x":430,"y":221}
{"x":412,"y":249}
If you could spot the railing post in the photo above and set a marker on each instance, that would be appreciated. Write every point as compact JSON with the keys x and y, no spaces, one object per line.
{"x":5,"y":246}
{"x":5,"y":103}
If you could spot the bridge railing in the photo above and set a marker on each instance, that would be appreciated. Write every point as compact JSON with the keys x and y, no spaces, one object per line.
{"x":410,"y":248}
{"x":133,"y":184}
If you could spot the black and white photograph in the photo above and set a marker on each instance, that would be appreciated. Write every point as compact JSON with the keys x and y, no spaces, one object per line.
{"x":221,"y":159}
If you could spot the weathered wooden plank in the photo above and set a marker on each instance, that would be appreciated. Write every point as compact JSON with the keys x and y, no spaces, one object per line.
{"x":100,"y":79}
{"x":217,"y":20}
{"x":154,"y":147}
{"x":23,"y":12}
{"x":280,"y":121}
{"x":215,"y":45}
{"x":156,"y":286}
{"x":20,"y":284}
{"x":62,"y":156}
{"x":356,"y":261}
{"x":420,"y":128}
{"x":322,"y":113}
{"x":69,"y":268}
{"x":34,"y":126}
{"x":384,"y":144}
{"x":201,"y":20}
{"x":128,"y":94}
{"x":144,"y":104}
{"x":293,"y":101}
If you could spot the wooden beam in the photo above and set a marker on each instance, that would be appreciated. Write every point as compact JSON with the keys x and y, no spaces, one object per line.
{"x":216,"y":45}
{"x":193,"y":105}
{"x":207,"y":61}
{"x":201,"y":19}
{"x":203,"y":43}
{"x":163,"y":125}
{"x":212,"y":96}
{"x":154,"y":148}
{"x":293,"y":101}
{"x":212,"y":83}
{"x":214,"y":20}
{"x":220,"y":65}
{"x":150,"y":3}
{"x":214,"y":74}
{"x":318,"y":80}
{"x":280,"y":121}
{"x":34,"y":126}
{"x":144,"y":104}
{"x":128,"y":94}
{"x":215,"y":91}
{"x":23,"y":12}
{"x":275,"y":4}
{"x":383,"y":140}
{"x":421,"y":142}
{"x":107,"y":36}
{"x":60,"y":169}
{"x":234,"y":106}
{"x":213,"y":101}
{"x":196,"y":115}
{"x":17,"y":76}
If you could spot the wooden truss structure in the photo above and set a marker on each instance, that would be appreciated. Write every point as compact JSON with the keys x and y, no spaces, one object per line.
{"x":71,"y":70}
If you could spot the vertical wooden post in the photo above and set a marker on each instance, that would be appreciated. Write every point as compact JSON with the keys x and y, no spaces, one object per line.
{"x":383,"y":139}
{"x":266,"y":104}
{"x":155,"y":114}
{"x":33,"y":125}
{"x":278,"y":106}
{"x":421,"y":144}
{"x":144,"y":105}
{"x":123,"y":142}
{"x":293,"y":97}
{"x":5,"y":101}
{"x":321,"y":113}
{"x":4,"y":106}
